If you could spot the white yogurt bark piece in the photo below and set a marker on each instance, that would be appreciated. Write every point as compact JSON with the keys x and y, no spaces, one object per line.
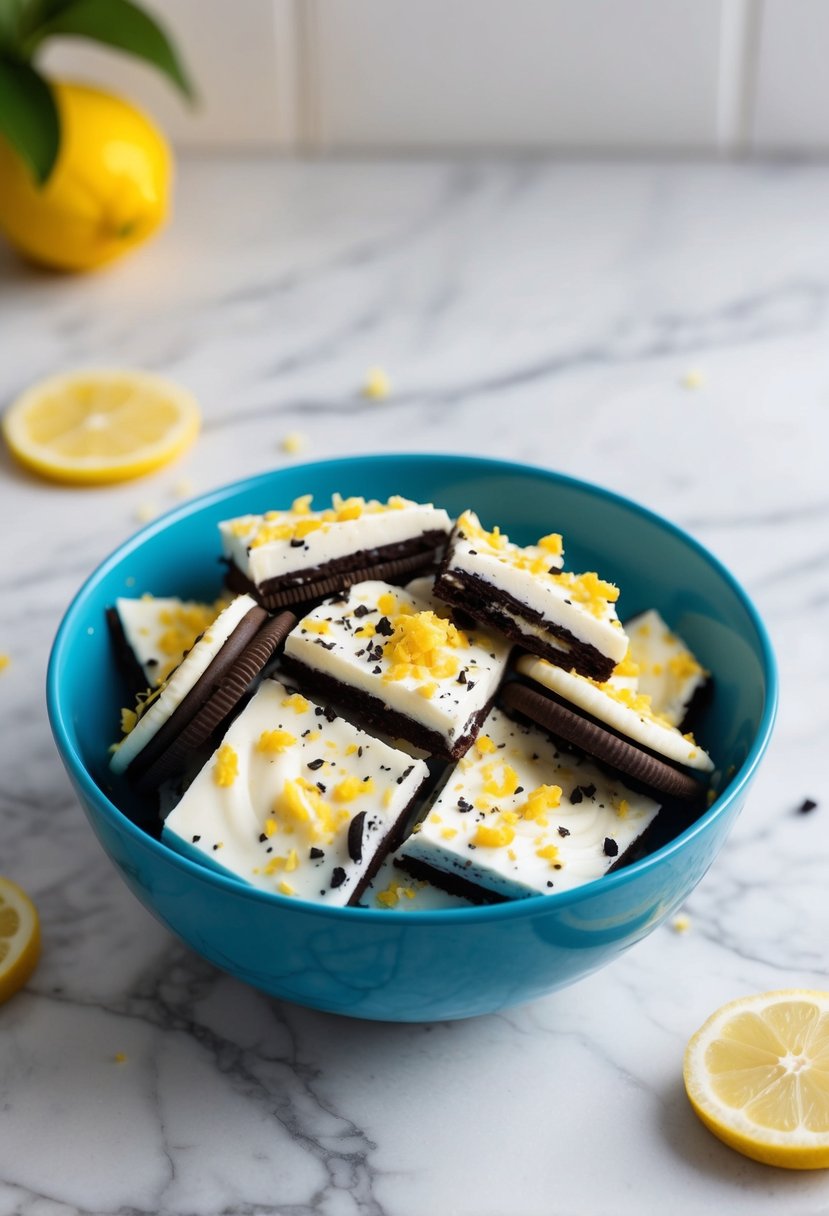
{"x":517,"y":817}
{"x":564,"y":617}
{"x":296,"y":801}
{"x":159,"y":630}
{"x":625,"y":711}
{"x":284,"y":555}
{"x":154,"y":711}
{"x":396,"y":661}
{"x":393,"y":890}
{"x":668,"y":672}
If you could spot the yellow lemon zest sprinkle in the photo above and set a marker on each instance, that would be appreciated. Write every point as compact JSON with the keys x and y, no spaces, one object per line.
{"x":390,"y":897}
{"x":182,"y":625}
{"x":552,"y":544}
{"x":314,"y":625}
{"x":350,"y":788}
{"x":129,"y":719}
{"x":626,"y":666}
{"x":495,"y":836}
{"x":500,"y":780}
{"x":226,"y":768}
{"x":285,"y":888}
{"x":548,"y":852}
{"x":684,"y":666}
{"x":292,"y":443}
{"x":376,"y":385}
{"x":296,"y":702}
{"x":484,"y":745}
{"x":592,"y":592}
{"x":420,"y":645}
{"x":540,"y":800}
{"x":271,"y":742}
{"x":302,"y":808}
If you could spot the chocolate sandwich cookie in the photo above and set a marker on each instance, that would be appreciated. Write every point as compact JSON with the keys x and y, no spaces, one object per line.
{"x":297,"y":555}
{"x":201,"y":693}
{"x":600,"y":741}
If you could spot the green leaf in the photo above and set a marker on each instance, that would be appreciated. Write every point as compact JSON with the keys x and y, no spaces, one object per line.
{"x":29,"y":117}
{"x":120,"y":24}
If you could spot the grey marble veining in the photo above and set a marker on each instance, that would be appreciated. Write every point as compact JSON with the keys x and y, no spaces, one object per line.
{"x":541,"y":312}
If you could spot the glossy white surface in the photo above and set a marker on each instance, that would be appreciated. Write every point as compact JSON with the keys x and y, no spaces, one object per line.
{"x":544,"y":313}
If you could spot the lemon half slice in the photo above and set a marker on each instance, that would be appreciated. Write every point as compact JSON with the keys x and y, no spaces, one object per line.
{"x":19,"y":938}
{"x":90,"y":427}
{"x":757,"y":1074}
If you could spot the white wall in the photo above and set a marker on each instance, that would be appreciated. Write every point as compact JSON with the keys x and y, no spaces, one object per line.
{"x":731,"y":76}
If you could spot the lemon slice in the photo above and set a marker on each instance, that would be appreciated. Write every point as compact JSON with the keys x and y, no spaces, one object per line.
{"x":757,"y":1074}
{"x":19,"y":938}
{"x":91,"y":427}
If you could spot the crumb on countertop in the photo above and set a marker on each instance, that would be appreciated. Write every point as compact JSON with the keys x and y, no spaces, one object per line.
{"x":807,"y":805}
{"x":5,"y":659}
{"x":120,"y":1057}
{"x":145,"y":512}
{"x":693,"y":378}
{"x":183,"y":488}
{"x":376,"y":385}
{"x":681,"y":923}
{"x":293,"y":443}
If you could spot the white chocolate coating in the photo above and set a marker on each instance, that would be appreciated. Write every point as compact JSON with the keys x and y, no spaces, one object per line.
{"x":626,"y":711}
{"x":540,"y":850}
{"x":180,"y":682}
{"x":668,"y":672}
{"x":531,"y":576}
{"x":159,"y":630}
{"x":279,"y":543}
{"x":340,"y":640}
{"x":296,"y":793}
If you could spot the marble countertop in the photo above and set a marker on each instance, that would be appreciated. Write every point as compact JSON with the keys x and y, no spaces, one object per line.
{"x":557,"y":314}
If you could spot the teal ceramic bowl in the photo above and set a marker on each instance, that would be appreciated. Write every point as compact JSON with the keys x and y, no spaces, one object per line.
{"x":421,"y":966}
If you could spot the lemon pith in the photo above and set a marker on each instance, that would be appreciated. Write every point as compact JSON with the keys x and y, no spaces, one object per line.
{"x":100,"y":426}
{"x":19,"y":938}
{"x":109,"y":189}
{"x":757,"y":1075}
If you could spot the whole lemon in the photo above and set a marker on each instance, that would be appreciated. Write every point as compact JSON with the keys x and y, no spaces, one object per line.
{"x":109,"y":189}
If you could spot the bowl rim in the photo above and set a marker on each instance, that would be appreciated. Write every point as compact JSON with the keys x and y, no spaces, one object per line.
{"x":529,"y":905}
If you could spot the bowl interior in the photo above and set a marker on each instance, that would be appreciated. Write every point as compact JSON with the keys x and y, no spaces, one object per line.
{"x":655,"y":565}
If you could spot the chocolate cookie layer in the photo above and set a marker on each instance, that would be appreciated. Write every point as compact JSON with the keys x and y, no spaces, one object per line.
{"x":599,"y":741}
{"x":374,"y":713}
{"x":125,"y":660}
{"x":453,"y":883}
{"x":393,"y":563}
{"x":493,"y":606}
{"x":213,"y":697}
